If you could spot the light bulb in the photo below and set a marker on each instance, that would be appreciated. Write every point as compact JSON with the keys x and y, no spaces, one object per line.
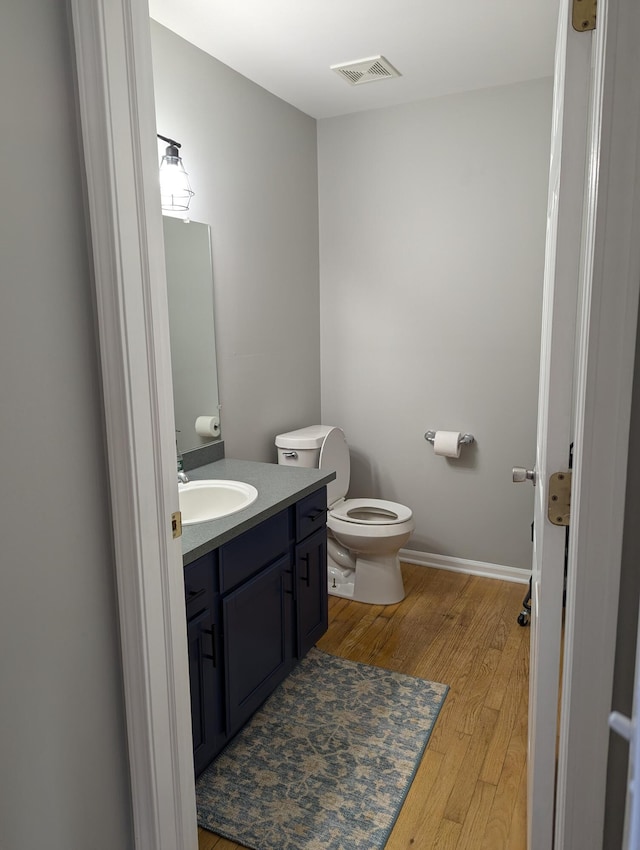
{"x":175,"y":189}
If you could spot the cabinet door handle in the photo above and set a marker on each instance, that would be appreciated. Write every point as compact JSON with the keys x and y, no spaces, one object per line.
{"x":289,"y":592}
{"x":211,"y":657}
{"x":305,"y":579}
{"x":194,"y":594}
{"x":315,"y":515}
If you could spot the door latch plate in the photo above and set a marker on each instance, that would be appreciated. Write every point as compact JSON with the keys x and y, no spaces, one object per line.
{"x":559,"y":504}
{"x":176,"y":524}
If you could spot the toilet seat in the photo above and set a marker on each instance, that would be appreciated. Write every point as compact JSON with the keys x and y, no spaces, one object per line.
{"x":334,"y":454}
{"x":370,"y":512}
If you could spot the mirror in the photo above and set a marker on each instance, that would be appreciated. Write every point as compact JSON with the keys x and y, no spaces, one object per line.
{"x":187,"y":246}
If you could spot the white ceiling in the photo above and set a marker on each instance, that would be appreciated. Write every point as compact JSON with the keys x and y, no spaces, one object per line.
{"x":287,"y":46}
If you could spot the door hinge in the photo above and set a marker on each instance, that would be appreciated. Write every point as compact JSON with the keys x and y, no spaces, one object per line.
{"x":176,"y":524}
{"x":559,"y":504}
{"x":583,"y":15}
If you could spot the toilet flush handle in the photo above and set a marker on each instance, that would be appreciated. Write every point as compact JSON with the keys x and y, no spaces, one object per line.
{"x":292,"y":455}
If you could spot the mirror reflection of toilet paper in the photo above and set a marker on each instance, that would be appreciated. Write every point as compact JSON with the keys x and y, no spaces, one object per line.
{"x":208,"y":426}
{"x":447,"y":443}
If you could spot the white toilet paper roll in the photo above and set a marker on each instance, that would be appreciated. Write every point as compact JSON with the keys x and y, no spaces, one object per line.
{"x":208,"y":426}
{"x":447,"y":443}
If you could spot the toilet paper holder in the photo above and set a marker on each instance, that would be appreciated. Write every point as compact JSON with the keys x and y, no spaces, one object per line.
{"x":465,"y":439}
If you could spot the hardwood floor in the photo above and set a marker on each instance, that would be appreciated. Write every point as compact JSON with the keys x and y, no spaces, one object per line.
{"x":470,"y":789}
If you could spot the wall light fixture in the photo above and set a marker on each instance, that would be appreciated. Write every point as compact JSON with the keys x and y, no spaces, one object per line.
{"x":175,"y":189}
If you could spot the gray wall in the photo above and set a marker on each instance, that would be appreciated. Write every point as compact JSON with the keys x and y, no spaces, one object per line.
{"x":432,"y":220}
{"x":63,"y":762}
{"x":432,"y":226}
{"x":252,"y":162}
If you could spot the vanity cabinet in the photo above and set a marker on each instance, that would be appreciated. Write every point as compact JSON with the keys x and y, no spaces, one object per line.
{"x":311,"y":571}
{"x":254,"y":606}
{"x":203,"y":643}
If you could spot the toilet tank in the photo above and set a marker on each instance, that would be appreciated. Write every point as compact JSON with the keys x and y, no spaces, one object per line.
{"x":302,"y":447}
{"x":318,"y":447}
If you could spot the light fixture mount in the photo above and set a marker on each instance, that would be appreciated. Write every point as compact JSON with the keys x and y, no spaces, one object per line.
{"x":173,"y":146}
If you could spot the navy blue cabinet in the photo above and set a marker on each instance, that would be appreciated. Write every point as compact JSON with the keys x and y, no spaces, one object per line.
{"x":205,"y":679}
{"x":254,"y":606}
{"x":311,"y":570}
{"x":257,"y":639}
{"x":311,"y":588}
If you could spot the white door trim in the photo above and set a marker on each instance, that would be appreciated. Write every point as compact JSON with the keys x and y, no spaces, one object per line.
{"x":610,"y":282}
{"x":569,"y":154}
{"x":117,"y":117}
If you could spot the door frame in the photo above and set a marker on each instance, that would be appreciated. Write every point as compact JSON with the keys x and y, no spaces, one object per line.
{"x":572,"y":86}
{"x":116,"y":109}
{"x":605,"y":361}
{"x":117,"y":118}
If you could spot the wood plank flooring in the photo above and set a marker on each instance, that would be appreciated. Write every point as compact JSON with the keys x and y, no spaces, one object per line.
{"x":470,"y":789}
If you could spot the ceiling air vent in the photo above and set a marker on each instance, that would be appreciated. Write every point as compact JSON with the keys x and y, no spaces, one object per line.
{"x":366,"y":70}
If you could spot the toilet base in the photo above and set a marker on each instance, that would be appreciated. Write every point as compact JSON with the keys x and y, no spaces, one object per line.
{"x":376,"y":580}
{"x":340,"y":581}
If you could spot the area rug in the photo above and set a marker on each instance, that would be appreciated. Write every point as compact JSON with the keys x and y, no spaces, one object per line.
{"x":327,"y":761}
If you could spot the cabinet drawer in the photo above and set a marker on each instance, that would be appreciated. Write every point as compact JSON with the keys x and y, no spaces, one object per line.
{"x":199,"y":584}
{"x":246,"y":555}
{"x":311,"y":513}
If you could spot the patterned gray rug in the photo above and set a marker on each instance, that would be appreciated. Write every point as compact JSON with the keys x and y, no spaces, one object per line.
{"x":327,"y":761}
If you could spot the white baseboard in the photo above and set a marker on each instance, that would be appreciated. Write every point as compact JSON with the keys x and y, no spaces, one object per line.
{"x":461,"y":565}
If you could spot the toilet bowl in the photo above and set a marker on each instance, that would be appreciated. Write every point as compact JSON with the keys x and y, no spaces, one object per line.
{"x":364,"y":535}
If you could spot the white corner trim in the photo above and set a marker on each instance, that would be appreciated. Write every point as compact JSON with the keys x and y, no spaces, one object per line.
{"x":117,"y":120}
{"x":462,"y":565}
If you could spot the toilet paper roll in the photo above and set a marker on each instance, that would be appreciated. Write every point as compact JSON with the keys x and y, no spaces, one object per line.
{"x":447,"y":443}
{"x":208,"y":426}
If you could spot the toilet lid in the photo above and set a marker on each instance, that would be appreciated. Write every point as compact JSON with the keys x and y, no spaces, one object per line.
{"x":334,"y":454}
{"x":371,"y":512}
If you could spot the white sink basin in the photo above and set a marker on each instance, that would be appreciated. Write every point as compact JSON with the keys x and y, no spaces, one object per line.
{"x":201,"y":501}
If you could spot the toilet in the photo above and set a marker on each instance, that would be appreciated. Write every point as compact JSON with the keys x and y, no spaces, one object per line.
{"x":364,"y":535}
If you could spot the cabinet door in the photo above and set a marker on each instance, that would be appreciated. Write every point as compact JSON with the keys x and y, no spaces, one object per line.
{"x":256,"y":621}
{"x":311,"y":591}
{"x":206,"y":714}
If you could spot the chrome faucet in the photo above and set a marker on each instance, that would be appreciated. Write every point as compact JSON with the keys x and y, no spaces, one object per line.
{"x":183,"y":478}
